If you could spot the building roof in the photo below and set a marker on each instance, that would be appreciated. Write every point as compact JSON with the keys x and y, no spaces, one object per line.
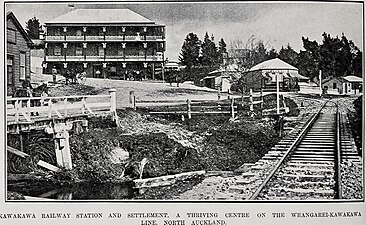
{"x":10,"y":15}
{"x":273,"y":64}
{"x":353,"y":79}
{"x":85,"y":16}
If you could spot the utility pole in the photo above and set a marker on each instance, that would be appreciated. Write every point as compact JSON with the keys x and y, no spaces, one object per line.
{"x":278,"y":93}
{"x":320,"y":83}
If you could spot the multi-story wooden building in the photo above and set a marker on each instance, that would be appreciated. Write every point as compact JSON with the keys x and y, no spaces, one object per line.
{"x":17,"y":53}
{"x":116,"y":43}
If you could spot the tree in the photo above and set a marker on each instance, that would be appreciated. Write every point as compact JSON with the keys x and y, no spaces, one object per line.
{"x":335,"y":56}
{"x":33,"y":28}
{"x":210,"y":56}
{"x":308,"y":60}
{"x":222,"y":50}
{"x":249,"y":53}
{"x":190,"y":51}
{"x":289,"y":55}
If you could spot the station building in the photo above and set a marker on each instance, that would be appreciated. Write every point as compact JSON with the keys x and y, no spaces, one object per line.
{"x":265,"y":74}
{"x":105,"y":43}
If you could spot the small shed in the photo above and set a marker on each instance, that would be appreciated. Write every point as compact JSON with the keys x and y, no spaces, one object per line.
{"x":214,"y":82}
{"x":343,"y":85}
{"x":221,"y":78}
{"x":18,"y":62}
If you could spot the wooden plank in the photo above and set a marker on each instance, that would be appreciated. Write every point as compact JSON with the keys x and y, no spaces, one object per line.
{"x":185,"y":112}
{"x":58,"y":97}
{"x":17,"y":152}
{"x":162,"y":101}
{"x":31,"y":198}
{"x":39,"y":163}
{"x":166,"y":180}
{"x":257,"y":102}
{"x":48,"y":166}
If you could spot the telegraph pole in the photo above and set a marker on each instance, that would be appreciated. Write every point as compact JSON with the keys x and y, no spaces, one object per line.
{"x":320,"y":83}
{"x":278,"y":93}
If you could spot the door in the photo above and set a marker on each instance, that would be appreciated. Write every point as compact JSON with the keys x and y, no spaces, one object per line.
{"x":97,"y":71}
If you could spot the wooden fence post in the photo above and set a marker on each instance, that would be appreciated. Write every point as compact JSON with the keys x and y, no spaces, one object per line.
{"x":134,"y":103}
{"x":66,"y":154}
{"x":49,"y":108}
{"x":189,"y":114}
{"x":16,"y":110}
{"x":58,"y":152}
{"x":62,"y":145}
{"x":112,"y":93}
{"x":83,"y":107}
{"x":251,"y":100}
{"x":232,"y":108}
{"x":261,"y":99}
{"x":218,"y":93}
{"x":65,"y":107}
{"x":242,"y":97}
{"x":132,"y":95}
{"x":29,"y":108}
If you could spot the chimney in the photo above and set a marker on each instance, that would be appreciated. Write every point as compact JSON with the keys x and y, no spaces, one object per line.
{"x":71,"y":7}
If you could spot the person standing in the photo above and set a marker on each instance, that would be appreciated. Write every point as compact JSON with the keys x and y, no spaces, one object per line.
{"x":97,"y":74}
{"x":54,"y":73}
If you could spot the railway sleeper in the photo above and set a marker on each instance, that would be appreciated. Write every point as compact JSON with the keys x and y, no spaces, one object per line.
{"x":304,"y":176}
{"x":310,"y":165}
{"x":275,"y":152}
{"x":318,"y":143}
{"x":312,"y":169}
{"x":312,"y":162}
{"x":305,"y":147}
{"x":305,"y":191}
{"x":248,"y":174}
{"x":314,"y":148}
{"x":317,"y":160}
{"x":314,"y":152}
{"x":308,"y":184}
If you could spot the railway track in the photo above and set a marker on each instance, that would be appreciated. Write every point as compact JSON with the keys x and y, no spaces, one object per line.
{"x":307,"y":162}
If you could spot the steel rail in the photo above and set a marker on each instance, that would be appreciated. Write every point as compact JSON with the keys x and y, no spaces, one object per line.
{"x":296,"y":142}
{"x":337,"y":168}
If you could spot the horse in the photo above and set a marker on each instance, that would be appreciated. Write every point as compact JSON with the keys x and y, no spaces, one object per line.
{"x":40,"y":91}
{"x":70,"y":75}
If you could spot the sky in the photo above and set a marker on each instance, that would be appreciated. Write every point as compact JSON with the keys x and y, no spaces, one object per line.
{"x":276,"y":23}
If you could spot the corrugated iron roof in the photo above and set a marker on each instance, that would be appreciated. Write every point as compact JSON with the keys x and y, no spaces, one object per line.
{"x":100,"y":16}
{"x":353,"y":79}
{"x":273,"y":64}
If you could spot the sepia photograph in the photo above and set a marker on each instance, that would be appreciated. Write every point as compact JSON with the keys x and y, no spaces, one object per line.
{"x":200,"y":102}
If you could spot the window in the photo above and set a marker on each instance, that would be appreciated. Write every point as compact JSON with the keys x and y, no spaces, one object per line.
{"x":57,"y":31}
{"x":22,"y":66}
{"x":100,"y":32}
{"x":334,"y":85}
{"x":57,"y":50}
{"x":79,"y":33}
{"x":100,"y":50}
{"x":9,"y":63}
{"x":79,"y":50}
{"x":120,"y":51}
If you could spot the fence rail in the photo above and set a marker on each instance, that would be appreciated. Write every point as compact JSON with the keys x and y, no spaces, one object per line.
{"x":25,"y":109}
